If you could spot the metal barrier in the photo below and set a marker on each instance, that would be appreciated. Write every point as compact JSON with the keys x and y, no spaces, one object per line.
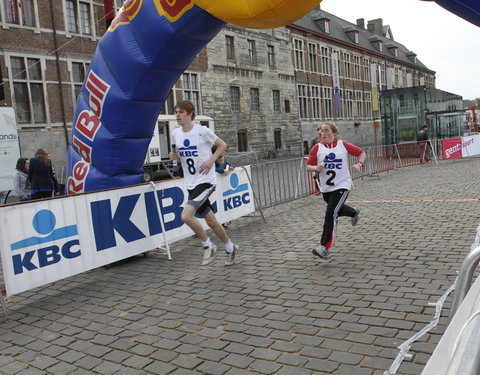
{"x":279,"y":181}
{"x":465,"y":276}
{"x":283,"y":180}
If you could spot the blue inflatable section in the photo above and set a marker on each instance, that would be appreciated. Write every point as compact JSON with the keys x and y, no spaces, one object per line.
{"x":467,"y":9}
{"x":130,"y":77}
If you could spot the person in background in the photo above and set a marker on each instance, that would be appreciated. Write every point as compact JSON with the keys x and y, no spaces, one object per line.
{"x":41,"y":176}
{"x":422,"y":140}
{"x":194,"y":144}
{"x":49,"y":157}
{"x":20,"y":184}
{"x":329,"y":157}
{"x":222,"y":165}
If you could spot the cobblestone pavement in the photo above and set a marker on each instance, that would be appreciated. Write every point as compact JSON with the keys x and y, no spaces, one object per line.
{"x":278,"y":310}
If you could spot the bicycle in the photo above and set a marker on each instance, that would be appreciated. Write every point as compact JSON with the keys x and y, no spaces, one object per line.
{"x":268,"y":153}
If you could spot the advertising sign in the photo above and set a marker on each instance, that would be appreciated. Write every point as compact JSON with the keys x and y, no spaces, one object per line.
{"x":463,"y":147}
{"x":9,"y":148}
{"x":48,"y":240}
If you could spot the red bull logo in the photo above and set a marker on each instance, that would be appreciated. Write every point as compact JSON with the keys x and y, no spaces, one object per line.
{"x":173,"y":9}
{"x":127,"y":13}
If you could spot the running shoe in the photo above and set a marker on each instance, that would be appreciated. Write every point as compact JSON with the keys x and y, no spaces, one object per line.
{"x":231,"y":256}
{"x":355,"y":218}
{"x":209,"y":254}
{"x":321,"y":252}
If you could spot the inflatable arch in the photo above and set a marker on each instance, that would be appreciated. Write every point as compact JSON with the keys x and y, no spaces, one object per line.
{"x":147,"y":47}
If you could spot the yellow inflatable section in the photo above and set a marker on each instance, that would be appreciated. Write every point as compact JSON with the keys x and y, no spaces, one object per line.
{"x":258,"y":14}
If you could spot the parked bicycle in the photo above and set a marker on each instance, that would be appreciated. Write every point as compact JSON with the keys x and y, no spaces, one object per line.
{"x":268,"y":153}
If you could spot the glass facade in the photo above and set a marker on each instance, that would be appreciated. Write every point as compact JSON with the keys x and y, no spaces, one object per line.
{"x":405,"y":110}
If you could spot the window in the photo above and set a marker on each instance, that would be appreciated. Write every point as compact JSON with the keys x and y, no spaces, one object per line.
{"x":28,"y":90}
{"x":79,"y":72}
{"x":229,"y":43}
{"x":271,"y":57}
{"x":368,"y":104}
{"x":315,"y":102}
{"x":366,"y":70}
{"x":252,"y":52}
{"x":78,"y":17}
{"x":276,"y":100}
{"x":312,"y":56}
{"x":169,"y":105}
{"x":327,"y":102}
{"x":235,"y":98}
{"x":298,"y":48}
{"x":277,"y":137}
{"x":356,"y":67}
{"x":325,"y":60}
{"x":303,"y":100}
{"x":191,"y":89}
{"x":287,"y":106}
{"x":254,"y":100}
{"x":20,"y":12}
{"x":355,"y":37}
{"x":242,"y":141}
{"x":327,"y":26}
{"x":346,"y":65}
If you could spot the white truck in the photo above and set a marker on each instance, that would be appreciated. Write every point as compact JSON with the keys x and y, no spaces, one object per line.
{"x":157,"y":165}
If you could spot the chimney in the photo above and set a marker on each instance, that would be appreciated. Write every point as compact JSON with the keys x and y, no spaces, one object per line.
{"x":361,"y":22}
{"x":375,"y":26}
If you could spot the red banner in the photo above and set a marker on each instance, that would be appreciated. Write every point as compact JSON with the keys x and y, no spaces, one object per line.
{"x":451,"y":148}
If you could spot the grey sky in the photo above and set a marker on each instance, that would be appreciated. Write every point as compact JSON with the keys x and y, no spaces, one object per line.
{"x":443,"y":41}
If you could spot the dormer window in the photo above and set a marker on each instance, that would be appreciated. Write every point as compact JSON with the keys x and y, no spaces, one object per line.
{"x":377,"y":43}
{"x":393,"y":49}
{"x":322,"y":22}
{"x":326,"y":26}
{"x":352,"y":34}
{"x":412,"y":56}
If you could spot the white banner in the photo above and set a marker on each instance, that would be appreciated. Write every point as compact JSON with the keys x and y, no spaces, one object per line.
{"x":48,"y":240}
{"x":9,"y":149}
{"x":471,"y":145}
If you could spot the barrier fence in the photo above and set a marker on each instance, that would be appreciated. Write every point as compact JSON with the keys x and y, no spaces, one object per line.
{"x":282,"y":180}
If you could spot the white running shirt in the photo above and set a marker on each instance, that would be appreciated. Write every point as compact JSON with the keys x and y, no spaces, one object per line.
{"x":336,"y":174}
{"x":195,"y":147}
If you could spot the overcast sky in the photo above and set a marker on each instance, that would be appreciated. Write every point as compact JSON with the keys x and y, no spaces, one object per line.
{"x":444,"y":42}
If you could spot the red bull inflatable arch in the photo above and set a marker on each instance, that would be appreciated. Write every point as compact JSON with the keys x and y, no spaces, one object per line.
{"x":146,"y":48}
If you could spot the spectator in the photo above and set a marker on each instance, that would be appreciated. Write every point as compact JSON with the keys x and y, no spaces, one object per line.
{"x":20,"y":184}
{"x":422,"y":140}
{"x":41,"y":176}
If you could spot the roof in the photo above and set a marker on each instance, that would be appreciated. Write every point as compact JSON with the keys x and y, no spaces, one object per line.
{"x":339,"y":29}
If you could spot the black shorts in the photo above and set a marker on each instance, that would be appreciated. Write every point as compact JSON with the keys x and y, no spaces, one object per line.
{"x":198,"y":198}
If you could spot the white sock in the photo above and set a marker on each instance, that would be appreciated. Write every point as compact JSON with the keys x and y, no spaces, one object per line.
{"x":207,"y":243}
{"x":229,"y":246}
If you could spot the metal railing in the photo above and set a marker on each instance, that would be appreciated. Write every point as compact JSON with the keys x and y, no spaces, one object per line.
{"x":282,"y":180}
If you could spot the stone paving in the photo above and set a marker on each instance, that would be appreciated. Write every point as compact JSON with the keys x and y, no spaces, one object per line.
{"x":278,"y":310}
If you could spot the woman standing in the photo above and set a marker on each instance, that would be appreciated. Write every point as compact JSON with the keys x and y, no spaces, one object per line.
{"x":40,"y":174}
{"x":329,"y":158}
{"x":20,"y":184}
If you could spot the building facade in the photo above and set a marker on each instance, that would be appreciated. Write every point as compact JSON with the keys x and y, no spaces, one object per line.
{"x":341,"y":67}
{"x":47,"y":46}
{"x":265,"y":89}
{"x":406,"y":110}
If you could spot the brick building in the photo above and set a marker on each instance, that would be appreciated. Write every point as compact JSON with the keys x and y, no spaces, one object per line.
{"x":46,"y":49}
{"x":328,"y":53}
{"x":264,"y":88}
